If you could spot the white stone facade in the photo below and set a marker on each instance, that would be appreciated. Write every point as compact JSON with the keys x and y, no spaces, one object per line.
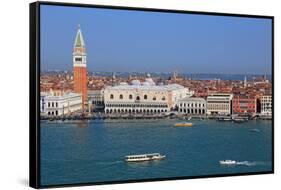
{"x":193,"y":106}
{"x":219,"y":103}
{"x":266,"y":105}
{"x":143,"y":98}
{"x":63,"y":104}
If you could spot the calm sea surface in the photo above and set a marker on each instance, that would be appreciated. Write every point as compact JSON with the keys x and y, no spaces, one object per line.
{"x":93,"y":151}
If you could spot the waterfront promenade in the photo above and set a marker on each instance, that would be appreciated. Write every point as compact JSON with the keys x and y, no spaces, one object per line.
{"x":104,"y":116}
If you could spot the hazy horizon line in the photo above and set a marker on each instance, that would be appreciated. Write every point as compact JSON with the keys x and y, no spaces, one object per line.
{"x":158,"y":72}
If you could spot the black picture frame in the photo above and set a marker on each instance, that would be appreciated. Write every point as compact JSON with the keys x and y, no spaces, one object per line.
{"x":34,"y":90}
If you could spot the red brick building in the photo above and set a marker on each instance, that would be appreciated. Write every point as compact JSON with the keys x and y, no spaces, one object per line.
{"x":80,"y":67}
{"x":244,"y":104}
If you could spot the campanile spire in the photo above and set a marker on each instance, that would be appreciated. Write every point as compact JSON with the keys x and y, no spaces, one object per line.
{"x":80,"y":66}
{"x":79,"y":41}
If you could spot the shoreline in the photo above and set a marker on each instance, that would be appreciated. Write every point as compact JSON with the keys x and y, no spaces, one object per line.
{"x":239,"y":119}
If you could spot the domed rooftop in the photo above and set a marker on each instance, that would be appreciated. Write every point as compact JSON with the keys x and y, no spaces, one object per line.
{"x":135,"y":82}
{"x":150,"y":81}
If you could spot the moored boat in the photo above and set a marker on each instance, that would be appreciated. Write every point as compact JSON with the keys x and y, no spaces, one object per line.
{"x":240,"y":120}
{"x":144,"y":157}
{"x":223,"y":119}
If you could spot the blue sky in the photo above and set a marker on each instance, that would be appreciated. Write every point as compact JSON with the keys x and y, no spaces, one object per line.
{"x":121,"y":40}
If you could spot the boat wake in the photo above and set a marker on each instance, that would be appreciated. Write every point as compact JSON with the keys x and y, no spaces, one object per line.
{"x":241,"y":163}
{"x":110,"y":163}
{"x":247,"y":163}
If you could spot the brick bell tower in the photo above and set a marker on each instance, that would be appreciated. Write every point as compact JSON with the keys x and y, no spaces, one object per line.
{"x":80,"y":67}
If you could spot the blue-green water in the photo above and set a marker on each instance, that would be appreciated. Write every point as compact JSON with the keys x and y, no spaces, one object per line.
{"x":94,"y":151}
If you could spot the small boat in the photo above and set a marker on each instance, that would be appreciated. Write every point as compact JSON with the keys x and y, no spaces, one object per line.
{"x":183,"y":124}
{"x":223,"y":119}
{"x":240,"y":120}
{"x":144,"y":157}
{"x":227,"y":162}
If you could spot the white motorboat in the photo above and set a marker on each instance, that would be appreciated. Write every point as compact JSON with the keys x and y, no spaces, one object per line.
{"x":227,"y":162}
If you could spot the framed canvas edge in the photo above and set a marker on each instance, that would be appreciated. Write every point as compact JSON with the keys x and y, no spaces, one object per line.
{"x":34,"y":96}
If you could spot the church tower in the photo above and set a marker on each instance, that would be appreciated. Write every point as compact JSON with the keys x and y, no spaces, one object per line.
{"x":80,"y":67}
{"x":245,"y":82}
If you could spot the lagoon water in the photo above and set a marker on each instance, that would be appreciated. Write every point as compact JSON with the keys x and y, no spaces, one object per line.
{"x":93,"y":151}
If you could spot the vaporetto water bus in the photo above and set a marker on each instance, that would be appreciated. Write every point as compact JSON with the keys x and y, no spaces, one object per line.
{"x":144,"y":157}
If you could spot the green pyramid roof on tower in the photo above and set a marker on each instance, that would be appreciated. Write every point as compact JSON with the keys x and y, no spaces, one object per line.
{"x":79,"y":41}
